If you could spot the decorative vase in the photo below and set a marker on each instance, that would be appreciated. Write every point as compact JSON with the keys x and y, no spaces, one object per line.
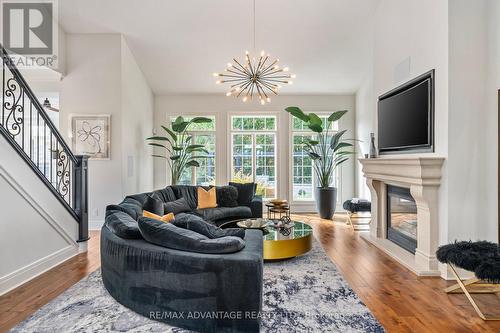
{"x":326,"y":201}
{"x":373,"y":150}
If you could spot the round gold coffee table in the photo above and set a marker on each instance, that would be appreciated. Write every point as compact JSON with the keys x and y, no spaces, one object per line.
{"x":282,"y":244}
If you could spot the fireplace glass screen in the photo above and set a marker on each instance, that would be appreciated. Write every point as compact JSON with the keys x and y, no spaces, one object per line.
{"x":401,"y":218}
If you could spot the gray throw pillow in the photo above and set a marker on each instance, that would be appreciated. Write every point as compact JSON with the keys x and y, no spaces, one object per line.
{"x":154,"y":205}
{"x":197,"y":224}
{"x":122,"y":225}
{"x":246,"y":192}
{"x":178,"y":206}
{"x":170,"y":236}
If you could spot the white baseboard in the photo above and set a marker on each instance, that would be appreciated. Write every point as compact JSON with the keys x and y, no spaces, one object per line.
{"x":26,"y":273}
{"x":96,"y":224}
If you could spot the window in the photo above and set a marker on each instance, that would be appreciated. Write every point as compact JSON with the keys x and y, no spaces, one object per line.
{"x":202,"y":134}
{"x":253,"y":152}
{"x":303,"y":177}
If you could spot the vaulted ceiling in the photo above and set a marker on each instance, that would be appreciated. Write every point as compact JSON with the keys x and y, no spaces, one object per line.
{"x":179,"y":44}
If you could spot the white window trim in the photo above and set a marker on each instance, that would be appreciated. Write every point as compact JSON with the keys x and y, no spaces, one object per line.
{"x":230,"y":133}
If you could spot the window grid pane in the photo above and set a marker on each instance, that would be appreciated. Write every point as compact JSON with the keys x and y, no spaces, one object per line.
{"x":304,"y":178}
{"x":253,"y":123}
{"x":204,"y":127}
{"x":205,"y":173}
{"x":253,"y":153}
{"x":302,"y":186}
{"x":201,"y":133}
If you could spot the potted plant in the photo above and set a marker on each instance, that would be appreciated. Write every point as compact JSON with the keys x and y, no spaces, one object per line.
{"x":327,"y":150}
{"x":181,"y":153}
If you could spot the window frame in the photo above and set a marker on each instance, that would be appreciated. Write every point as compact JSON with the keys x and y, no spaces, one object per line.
{"x":195,"y":133}
{"x":337,"y":180}
{"x":231,"y":132}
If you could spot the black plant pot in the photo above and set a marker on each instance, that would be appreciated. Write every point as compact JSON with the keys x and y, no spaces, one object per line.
{"x":326,"y":200}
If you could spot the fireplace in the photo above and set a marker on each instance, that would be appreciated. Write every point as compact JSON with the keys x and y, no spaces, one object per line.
{"x":416,"y":182}
{"x":401,"y":218}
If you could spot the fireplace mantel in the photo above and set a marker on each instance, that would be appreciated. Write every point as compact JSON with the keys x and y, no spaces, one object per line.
{"x":422,"y":175}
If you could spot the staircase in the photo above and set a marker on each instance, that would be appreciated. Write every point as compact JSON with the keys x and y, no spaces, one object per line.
{"x":29,"y":130}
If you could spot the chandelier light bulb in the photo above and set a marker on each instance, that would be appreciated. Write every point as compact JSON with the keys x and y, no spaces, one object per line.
{"x":285,"y":69}
{"x":293,"y":76}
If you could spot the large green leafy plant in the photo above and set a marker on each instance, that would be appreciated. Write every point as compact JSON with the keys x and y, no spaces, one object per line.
{"x":180,"y":152}
{"x":327,"y":149}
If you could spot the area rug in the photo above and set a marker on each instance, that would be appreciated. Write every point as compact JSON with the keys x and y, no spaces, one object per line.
{"x":303,"y":294}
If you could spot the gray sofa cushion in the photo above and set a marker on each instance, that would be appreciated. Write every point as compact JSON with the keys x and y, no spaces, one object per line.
{"x":197,"y":224}
{"x":166,"y":194}
{"x":187,"y":191}
{"x":246,"y":192}
{"x":220,"y":213}
{"x":122,"y":224}
{"x":154,"y":205}
{"x":133,"y":206}
{"x":170,"y":236}
{"x":177,"y":206}
{"x":227,"y":196}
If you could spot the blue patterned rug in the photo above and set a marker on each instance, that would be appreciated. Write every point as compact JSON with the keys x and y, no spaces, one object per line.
{"x":303,"y":294}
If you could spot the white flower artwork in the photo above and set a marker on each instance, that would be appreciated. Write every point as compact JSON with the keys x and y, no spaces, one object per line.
{"x":91,"y":135}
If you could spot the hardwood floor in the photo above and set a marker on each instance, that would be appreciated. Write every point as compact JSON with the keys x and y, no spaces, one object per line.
{"x":401,"y":301}
{"x":21,"y":302}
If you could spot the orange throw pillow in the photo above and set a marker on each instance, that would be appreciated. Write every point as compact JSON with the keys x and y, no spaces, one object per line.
{"x":165,"y":218}
{"x":207,"y":199}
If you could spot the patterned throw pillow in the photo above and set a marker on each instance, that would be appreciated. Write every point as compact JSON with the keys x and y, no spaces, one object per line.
{"x":227,"y":196}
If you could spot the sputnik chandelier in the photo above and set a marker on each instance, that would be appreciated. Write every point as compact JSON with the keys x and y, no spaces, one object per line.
{"x":262,"y":77}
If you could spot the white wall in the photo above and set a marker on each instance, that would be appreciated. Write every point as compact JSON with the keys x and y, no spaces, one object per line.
{"x":492,"y":139}
{"x":137,"y":124}
{"x":409,"y":39}
{"x":37,"y":232}
{"x":93,"y":86}
{"x":103,"y":78}
{"x":473,"y":125}
{"x":221,"y":106}
{"x":460,"y":40}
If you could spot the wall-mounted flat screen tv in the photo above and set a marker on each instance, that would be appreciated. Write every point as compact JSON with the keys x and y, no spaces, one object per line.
{"x":406,"y":117}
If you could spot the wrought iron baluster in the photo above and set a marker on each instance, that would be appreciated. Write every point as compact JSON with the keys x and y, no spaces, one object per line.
{"x":38,"y":140}
{"x":22,"y":136}
{"x":3,"y":90}
{"x":66,"y":174}
{"x":50,"y":158}
{"x":31,"y":130}
{"x":45,"y":148}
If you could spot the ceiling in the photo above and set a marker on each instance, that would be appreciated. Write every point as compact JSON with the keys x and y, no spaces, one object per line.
{"x":179,"y":44}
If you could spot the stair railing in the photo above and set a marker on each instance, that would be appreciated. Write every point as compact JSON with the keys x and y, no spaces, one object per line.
{"x":28,"y":128}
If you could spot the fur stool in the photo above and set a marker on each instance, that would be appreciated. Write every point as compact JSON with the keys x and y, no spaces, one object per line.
{"x":482,"y":258}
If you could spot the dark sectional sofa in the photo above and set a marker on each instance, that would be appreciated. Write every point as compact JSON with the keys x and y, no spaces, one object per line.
{"x":181,"y":287}
{"x":216,"y":216}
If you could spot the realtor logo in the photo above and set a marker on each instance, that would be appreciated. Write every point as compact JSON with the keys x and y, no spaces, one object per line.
{"x":27,"y":27}
{"x":29,"y":31}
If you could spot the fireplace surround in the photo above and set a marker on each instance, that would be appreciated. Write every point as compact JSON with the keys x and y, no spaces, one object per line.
{"x":421,"y":177}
